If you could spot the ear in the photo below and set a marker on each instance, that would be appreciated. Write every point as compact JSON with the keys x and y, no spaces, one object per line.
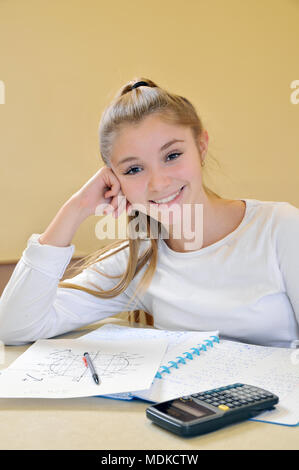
{"x":203,"y":142}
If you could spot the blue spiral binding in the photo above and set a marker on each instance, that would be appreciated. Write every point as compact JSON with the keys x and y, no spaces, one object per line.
{"x":195,"y":351}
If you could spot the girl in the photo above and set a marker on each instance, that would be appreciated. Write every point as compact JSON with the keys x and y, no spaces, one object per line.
{"x":239,"y":277}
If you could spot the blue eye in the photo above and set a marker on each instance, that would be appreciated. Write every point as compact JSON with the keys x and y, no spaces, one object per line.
{"x":130,"y":169}
{"x":128,"y":172}
{"x":171,"y":154}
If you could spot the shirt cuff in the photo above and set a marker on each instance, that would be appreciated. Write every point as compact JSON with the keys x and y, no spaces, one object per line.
{"x":50,"y":260}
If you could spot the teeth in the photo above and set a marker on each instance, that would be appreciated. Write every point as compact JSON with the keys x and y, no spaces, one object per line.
{"x":167,"y":199}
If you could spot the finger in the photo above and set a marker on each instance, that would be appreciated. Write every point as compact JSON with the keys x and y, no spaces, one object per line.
{"x":112,"y":185}
{"x":114,"y":203}
{"x":114,"y":191}
{"x":121,"y":206}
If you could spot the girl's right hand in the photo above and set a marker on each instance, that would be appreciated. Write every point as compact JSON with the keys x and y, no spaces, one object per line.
{"x":102,"y":194}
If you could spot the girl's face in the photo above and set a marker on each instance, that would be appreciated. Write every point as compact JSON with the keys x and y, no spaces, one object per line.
{"x":154,"y":160}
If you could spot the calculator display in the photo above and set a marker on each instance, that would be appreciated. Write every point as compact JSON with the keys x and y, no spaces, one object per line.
{"x":184,"y":410}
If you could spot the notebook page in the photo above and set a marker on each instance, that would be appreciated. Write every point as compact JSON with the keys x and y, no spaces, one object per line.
{"x":229,"y":362}
{"x":111,"y":332}
{"x":114,"y":332}
{"x":176,"y":339}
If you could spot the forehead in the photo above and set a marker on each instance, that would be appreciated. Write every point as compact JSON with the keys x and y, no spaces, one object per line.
{"x":152,"y":132}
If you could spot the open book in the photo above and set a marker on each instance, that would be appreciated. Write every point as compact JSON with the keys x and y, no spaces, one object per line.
{"x":198,"y":361}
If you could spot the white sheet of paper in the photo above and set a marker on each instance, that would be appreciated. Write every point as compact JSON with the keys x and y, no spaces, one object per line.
{"x":113,"y":332}
{"x":178,"y":341}
{"x":55,"y":368}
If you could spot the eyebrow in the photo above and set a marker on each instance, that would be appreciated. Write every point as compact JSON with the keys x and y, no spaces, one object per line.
{"x":164,"y":147}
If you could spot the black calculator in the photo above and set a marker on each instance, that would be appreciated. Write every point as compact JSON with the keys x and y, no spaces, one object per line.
{"x":207,"y":411}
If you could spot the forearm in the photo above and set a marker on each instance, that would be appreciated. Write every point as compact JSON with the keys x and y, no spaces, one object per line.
{"x":65,"y":224}
{"x":27,"y":302}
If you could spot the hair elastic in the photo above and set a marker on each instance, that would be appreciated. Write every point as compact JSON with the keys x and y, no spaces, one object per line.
{"x":137,"y":84}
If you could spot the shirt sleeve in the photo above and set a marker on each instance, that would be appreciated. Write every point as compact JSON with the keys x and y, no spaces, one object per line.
{"x":32,"y":306}
{"x":286,"y":236}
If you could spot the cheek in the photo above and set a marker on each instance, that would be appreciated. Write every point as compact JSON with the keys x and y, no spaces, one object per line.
{"x":186,"y":174}
{"x":187,"y":169}
{"x":133,"y":190}
{"x":192,"y":172}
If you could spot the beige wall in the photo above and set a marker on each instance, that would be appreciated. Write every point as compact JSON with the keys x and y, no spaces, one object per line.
{"x":63,"y":60}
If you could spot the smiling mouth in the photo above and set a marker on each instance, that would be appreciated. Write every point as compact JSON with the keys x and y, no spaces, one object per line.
{"x":166,"y":200}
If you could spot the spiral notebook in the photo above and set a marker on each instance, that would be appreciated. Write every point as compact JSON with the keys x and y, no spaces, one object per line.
{"x":197,"y":361}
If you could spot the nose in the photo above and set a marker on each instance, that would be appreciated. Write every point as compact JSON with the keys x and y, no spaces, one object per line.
{"x":158,"y":183}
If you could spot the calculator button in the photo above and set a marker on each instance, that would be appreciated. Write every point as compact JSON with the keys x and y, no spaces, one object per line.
{"x":223,"y":407}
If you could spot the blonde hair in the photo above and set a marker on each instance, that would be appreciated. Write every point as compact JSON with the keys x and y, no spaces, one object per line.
{"x":131,"y":106}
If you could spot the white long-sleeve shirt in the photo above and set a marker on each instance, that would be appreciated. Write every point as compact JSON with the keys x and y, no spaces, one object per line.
{"x":246,"y":285}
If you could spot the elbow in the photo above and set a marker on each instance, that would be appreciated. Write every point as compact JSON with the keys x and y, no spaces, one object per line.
{"x":9,"y":339}
{"x":11,"y":336}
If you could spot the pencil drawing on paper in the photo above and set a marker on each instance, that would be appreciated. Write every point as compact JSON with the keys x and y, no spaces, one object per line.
{"x":66,"y":363}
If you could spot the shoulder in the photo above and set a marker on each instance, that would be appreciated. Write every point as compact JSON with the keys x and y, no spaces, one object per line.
{"x":283,"y":219}
{"x":281,"y":213}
